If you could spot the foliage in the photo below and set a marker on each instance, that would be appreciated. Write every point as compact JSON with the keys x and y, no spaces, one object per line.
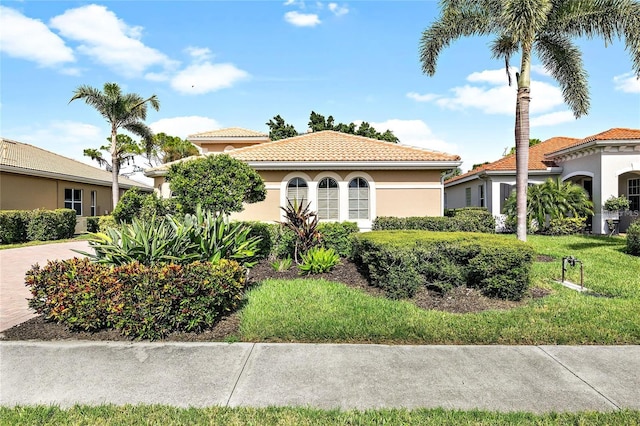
{"x":337,"y":236}
{"x":217,"y":182}
{"x":264,"y":232}
{"x":13,"y":226}
{"x":122,"y":111}
{"x":126,"y":151}
{"x":304,"y":223}
{"x":45,"y":225}
{"x":535,"y":28}
{"x":283,"y":241}
{"x":460,"y":220}
{"x":615,"y":204}
{"x":153,"y":205}
{"x":400,"y":262}
{"x":279,"y":129}
{"x":93,"y":224}
{"x":163,"y":148}
{"x":138,"y":300}
{"x":552,"y":199}
{"x":318,"y":260}
{"x":105,"y":222}
{"x":129,"y":206}
{"x":204,"y":236}
{"x":633,"y":238}
{"x":281,"y":265}
{"x":566,"y":226}
{"x":532,"y":142}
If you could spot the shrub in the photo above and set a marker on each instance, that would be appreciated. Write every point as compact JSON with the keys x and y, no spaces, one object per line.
{"x":337,"y":235}
{"x":633,"y":238}
{"x":303,"y":222}
{"x":13,"y":226}
{"x":45,"y":225}
{"x":93,"y":224}
{"x":565,"y":226}
{"x":106,"y":222}
{"x":140,"y":301}
{"x":263,"y":231}
{"x":615,"y":204}
{"x":281,"y":265}
{"x":283,"y":241}
{"x":152,"y":205}
{"x":129,"y":206}
{"x":318,"y":260}
{"x":401,"y":261}
{"x":461,"y":220}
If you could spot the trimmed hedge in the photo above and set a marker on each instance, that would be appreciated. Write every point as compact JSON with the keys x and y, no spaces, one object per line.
{"x":565,"y":226}
{"x":139,"y":301}
{"x":338,"y":236}
{"x":460,"y":220}
{"x":633,"y":238}
{"x":17,"y":226}
{"x":400,"y":262}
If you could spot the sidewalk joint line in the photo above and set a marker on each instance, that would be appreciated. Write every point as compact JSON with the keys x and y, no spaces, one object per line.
{"x":246,"y":361}
{"x":580,"y":378}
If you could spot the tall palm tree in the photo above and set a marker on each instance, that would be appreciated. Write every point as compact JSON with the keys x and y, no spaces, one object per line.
{"x":544,"y":28}
{"x":127,"y":111}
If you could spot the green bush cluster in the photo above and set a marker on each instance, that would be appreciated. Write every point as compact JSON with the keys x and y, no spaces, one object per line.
{"x":318,"y":260}
{"x":565,"y":226}
{"x":633,"y":238}
{"x":146,"y":302}
{"x":100,"y":223}
{"x":338,"y":236}
{"x":135,"y":204}
{"x":17,"y":226}
{"x":460,"y":220}
{"x":400,"y":262}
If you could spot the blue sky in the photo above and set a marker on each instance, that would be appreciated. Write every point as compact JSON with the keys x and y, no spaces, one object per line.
{"x":217,"y":64}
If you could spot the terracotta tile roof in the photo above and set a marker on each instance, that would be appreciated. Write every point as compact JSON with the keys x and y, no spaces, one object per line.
{"x":332,"y":146}
{"x":608,"y":135}
{"x":230,"y":132}
{"x":31,"y":158}
{"x":537,"y":159}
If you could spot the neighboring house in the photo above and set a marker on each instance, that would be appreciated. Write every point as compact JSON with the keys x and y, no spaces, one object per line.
{"x":605,"y":165}
{"x":33,"y":178}
{"x":344,"y":177}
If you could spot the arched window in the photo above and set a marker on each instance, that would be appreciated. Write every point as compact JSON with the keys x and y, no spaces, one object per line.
{"x":297,"y":190}
{"x":358,"y":199}
{"x":328,"y":199}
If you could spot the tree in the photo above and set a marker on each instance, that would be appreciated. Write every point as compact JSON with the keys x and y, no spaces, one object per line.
{"x":126,"y":150}
{"x":126,"y":111}
{"x":217,"y":182}
{"x":553,"y":200}
{"x":278,"y":129}
{"x":532,"y":142}
{"x":164,"y":148}
{"x":544,"y":28}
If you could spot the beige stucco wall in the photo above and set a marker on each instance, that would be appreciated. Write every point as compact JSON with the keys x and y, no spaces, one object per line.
{"x":22,"y":192}
{"x":408,"y":202}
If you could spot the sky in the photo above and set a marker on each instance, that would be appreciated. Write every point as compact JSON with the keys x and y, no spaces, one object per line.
{"x":215,"y":64}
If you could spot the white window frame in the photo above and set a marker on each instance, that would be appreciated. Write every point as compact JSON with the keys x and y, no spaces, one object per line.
{"x":72,"y":202}
{"x":358,"y":209}
{"x":633,"y":193}
{"x":332,"y":203}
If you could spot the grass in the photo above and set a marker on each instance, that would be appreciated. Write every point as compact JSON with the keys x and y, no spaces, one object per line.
{"x":222,"y":416}
{"x":321,"y":311}
{"x":80,"y":237}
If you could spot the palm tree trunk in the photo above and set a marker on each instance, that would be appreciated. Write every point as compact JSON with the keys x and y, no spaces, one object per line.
{"x":115,"y":188}
{"x":522,"y":143}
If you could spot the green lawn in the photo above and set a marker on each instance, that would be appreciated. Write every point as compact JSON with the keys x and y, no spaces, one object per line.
{"x":222,"y":416}
{"x":320,"y":311}
{"x":79,"y":237}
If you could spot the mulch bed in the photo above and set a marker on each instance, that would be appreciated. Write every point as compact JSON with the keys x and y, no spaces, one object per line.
{"x":459,"y":300}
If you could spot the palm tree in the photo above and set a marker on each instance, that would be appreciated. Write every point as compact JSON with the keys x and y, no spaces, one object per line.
{"x":544,"y":28}
{"x":125,"y":111}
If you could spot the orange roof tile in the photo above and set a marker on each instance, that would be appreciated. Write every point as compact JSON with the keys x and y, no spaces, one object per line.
{"x":332,"y":146}
{"x":607,"y":135}
{"x":230,"y":132}
{"x":537,"y":159}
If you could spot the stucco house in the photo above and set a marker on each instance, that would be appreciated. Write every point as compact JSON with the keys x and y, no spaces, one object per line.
{"x":606,"y":164}
{"x":342,"y":176}
{"x":33,"y":178}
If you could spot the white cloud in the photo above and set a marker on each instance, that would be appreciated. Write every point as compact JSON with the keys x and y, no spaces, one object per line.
{"x":627,"y":83}
{"x":495,"y":77}
{"x":184,"y":126}
{"x":552,"y":119}
{"x":539,"y":69}
{"x":427,"y":97}
{"x":414,"y":133}
{"x":207,"y":77}
{"x":109,"y":40}
{"x":30,"y":39}
{"x":338,"y":10}
{"x":199,"y":53}
{"x":302,"y":19}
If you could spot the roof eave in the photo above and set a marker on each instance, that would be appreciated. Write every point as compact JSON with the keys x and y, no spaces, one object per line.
{"x":355,"y":165}
{"x":483,"y":173}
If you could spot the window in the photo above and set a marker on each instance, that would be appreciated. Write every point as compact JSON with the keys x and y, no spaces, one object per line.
{"x":505,"y":192}
{"x":328,"y":199}
{"x":467,"y":197}
{"x":94,"y":197}
{"x":481,"y":195}
{"x":297,"y":190}
{"x":358,"y":199}
{"x":73,"y":200}
{"x":633,"y":192}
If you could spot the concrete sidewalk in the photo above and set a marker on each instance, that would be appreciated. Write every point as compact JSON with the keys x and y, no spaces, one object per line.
{"x":504,"y":378}
{"x":14,"y":263}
